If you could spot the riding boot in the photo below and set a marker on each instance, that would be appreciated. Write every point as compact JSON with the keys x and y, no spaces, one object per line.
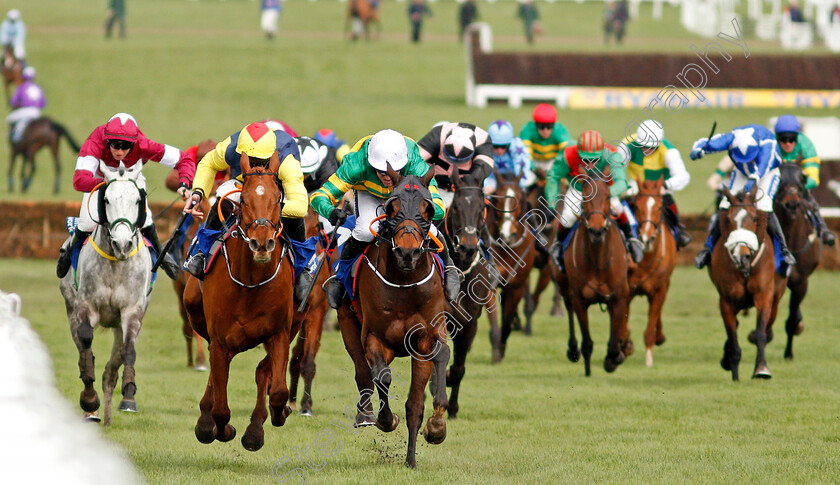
{"x":170,"y":267}
{"x":634,"y":246}
{"x":556,"y":249}
{"x":775,"y":229}
{"x":824,"y":232}
{"x":295,"y":228}
{"x":334,"y":287}
{"x":673,"y":216}
{"x":452,"y":276}
{"x":485,"y":243}
{"x":705,"y":255}
{"x":66,"y":252}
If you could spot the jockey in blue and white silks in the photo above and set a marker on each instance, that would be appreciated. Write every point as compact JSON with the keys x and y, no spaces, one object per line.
{"x":755,"y":152}
{"x":510,"y":156}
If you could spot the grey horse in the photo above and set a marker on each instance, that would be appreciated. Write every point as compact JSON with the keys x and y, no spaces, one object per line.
{"x":110,"y":288}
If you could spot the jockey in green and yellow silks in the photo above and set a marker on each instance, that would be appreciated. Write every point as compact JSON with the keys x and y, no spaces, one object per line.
{"x":544,"y":136}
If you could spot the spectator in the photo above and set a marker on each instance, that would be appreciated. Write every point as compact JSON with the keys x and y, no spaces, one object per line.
{"x":795,"y":12}
{"x":530,"y":19}
{"x":13,"y":33}
{"x":116,"y":13}
{"x":834,"y":16}
{"x":270,"y":14}
{"x":416,"y":11}
{"x":617,"y":21}
{"x":466,"y":15}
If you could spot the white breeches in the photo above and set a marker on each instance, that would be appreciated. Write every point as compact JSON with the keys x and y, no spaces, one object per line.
{"x":767,"y":187}
{"x":369,"y":208}
{"x":573,"y":208}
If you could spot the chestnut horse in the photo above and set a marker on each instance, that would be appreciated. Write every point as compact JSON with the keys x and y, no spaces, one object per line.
{"x":39,"y":133}
{"x":245,"y":301}
{"x":398,"y":311}
{"x":652,"y":275}
{"x":790,"y":208}
{"x":461,"y":228}
{"x":513,"y":249}
{"x":596,"y":272}
{"x":743,"y":271}
{"x":360,"y":15}
{"x":12,"y":70}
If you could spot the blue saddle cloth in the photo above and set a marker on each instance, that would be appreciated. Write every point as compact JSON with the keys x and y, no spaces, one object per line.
{"x":345,"y":271}
{"x":781,"y":267}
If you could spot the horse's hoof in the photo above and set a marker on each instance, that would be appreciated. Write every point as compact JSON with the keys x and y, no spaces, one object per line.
{"x":660,"y":339}
{"x":527,"y":330}
{"x":435,"y":432}
{"x":609,"y":365}
{"x":628,"y":348}
{"x":253,"y":441}
{"x":762,"y":372}
{"x":201,"y":368}
{"x":573,"y":354}
{"x":557,"y":311}
{"x":92,"y":417}
{"x":205,"y":435}
{"x":306,"y":412}
{"x":649,"y":357}
{"x":128,"y":406}
{"x":725,"y":364}
{"x":89,"y":406}
{"x":394,"y":423}
{"x":751,"y":337}
{"x":229,"y":434}
{"x":279,"y":419}
{"x":497,"y":356}
{"x":800,"y":327}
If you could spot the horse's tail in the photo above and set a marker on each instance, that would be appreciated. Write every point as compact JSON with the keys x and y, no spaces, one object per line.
{"x":62,"y":131}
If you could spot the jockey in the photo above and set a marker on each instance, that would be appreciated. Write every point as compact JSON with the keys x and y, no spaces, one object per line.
{"x":13,"y":33}
{"x":755,"y":153}
{"x":337,"y":145}
{"x":590,"y":151}
{"x":317,"y":162}
{"x":275,"y":125}
{"x":794,"y":145}
{"x":456,"y":145}
{"x":27,"y":103}
{"x":510,"y":157}
{"x":649,"y":156}
{"x":364,"y":170}
{"x":544,"y":137}
{"x":259,"y":143}
{"x":119,"y":142}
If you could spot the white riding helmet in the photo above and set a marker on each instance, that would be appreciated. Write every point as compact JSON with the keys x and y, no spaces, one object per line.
{"x":387,"y":147}
{"x":28,"y":73}
{"x":312,"y":154}
{"x":14,"y":14}
{"x":649,"y":134}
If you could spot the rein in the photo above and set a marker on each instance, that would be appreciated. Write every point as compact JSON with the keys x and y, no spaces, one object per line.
{"x":276,"y":270}
{"x":109,"y":257}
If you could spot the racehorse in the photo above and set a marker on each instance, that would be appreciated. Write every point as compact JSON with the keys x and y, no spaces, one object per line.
{"x":12,"y":69}
{"x":790,"y":208}
{"x":110,"y":288}
{"x":513,"y":244}
{"x":311,"y":323}
{"x":398,"y":311}
{"x":360,"y":15}
{"x":652,"y":275}
{"x":596,"y":265}
{"x":461,"y":228}
{"x":38,"y":134}
{"x":743,"y":271}
{"x":244,"y":301}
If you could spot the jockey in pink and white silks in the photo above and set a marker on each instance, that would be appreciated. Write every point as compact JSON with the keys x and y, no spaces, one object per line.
{"x":119,"y":142}
{"x":27,"y":102}
{"x":755,"y":152}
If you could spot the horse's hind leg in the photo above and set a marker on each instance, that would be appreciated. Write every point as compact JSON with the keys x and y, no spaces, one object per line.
{"x":111,"y":374}
{"x":314,"y":324}
{"x":129,"y":357}
{"x":351,"y":334}
{"x":254,"y":436}
{"x":278,"y":352}
{"x":27,"y":172}
{"x":654,"y":327}
{"x":219,"y":369}
{"x":586,"y":345}
{"x":57,"y":165}
{"x":82,"y":331}
{"x":421,"y":370}
{"x":495,"y":331}
{"x":461,"y":342}
{"x":11,"y":174}
{"x":294,"y":366}
{"x":435,"y":430}
{"x":793,"y":325}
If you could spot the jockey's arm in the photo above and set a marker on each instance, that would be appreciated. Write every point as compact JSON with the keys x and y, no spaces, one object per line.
{"x":87,"y":165}
{"x":680,"y":177}
{"x":619,"y":178}
{"x":296,"y":202}
{"x":416,"y":166}
{"x":171,"y":157}
{"x":559,"y":170}
{"x":718,"y":143}
{"x":212,"y":163}
{"x":810,"y":162}
{"x":324,"y":199}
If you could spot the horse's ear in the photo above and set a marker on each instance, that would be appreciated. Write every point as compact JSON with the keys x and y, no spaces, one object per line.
{"x":274,"y":162}
{"x":244,"y":163}
{"x":661,"y":180}
{"x":106,"y":171}
{"x":728,"y":194}
{"x":497,"y":175}
{"x":392,"y":207}
{"x":395,"y":176}
{"x":134,"y":171}
{"x":753,"y":191}
{"x":607,"y":171}
{"x":428,"y":210}
{"x":457,"y":180}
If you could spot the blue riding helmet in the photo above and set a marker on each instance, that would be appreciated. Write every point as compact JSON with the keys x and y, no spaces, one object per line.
{"x":501,"y":132}
{"x":787,"y":124}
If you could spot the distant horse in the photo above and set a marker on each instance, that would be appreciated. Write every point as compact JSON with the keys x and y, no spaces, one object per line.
{"x":743,"y":271}
{"x":38,"y":134}
{"x":513,"y":246}
{"x":542,"y":261}
{"x":652,"y":275}
{"x":596,"y":265}
{"x":360,"y":15}
{"x":400,"y":304}
{"x":461,"y":228}
{"x":12,"y":69}
{"x":110,"y":288}
{"x":801,"y":236}
{"x":245,"y":301}
{"x":311,"y":322}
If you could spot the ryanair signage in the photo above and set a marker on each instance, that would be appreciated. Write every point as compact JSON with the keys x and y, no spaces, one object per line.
{"x":640,"y":98}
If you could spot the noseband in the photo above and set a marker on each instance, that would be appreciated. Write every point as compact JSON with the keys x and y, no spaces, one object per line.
{"x":262,"y":221}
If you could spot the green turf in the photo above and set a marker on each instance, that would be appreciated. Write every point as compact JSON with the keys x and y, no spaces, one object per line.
{"x":533,"y":419}
{"x":191,"y":70}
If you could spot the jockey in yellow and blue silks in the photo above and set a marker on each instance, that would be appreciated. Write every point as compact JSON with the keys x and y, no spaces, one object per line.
{"x":364,"y":169}
{"x":259,"y":143}
{"x":754,"y":151}
{"x":795,"y":147}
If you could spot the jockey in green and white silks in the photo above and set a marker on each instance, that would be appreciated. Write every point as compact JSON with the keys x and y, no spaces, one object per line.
{"x":364,"y":170}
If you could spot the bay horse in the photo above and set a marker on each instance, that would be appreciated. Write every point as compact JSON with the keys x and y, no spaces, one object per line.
{"x":743,"y":271}
{"x":790,"y":207}
{"x":513,"y":249}
{"x":42,"y":132}
{"x":398,"y":311}
{"x":110,"y":288}
{"x":361,"y":14}
{"x":12,"y":69}
{"x":244,"y":301}
{"x":461,"y":228}
{"x":596,"y":263}
{"x":652,"y":275}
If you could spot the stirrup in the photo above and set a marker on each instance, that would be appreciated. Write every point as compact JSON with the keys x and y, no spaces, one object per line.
{"x":452,"y":284}
{"x":702,"y":258}
{"x":335,"y":291}
{"x":827,"y":237}
{"x":195,"y":266}
{"x":170,"y":267}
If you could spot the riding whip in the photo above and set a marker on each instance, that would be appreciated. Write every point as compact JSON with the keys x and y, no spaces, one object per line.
{"x":175,"y":235}
{"x":323,"y":257}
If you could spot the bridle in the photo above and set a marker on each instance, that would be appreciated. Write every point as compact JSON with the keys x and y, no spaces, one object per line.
{"x":242,"y":231}
{"x":454,"y":236}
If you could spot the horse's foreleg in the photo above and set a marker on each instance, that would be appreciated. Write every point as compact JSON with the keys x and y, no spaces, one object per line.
{"x":112,"y":368}
{"x":586,"y":345}
{"x":435,"y":431}
{"x":129,"y":356}
{"x":572,"y":352}
{"x":386,"y":420}
{"x":534,"y":300}
{"x":351,"y":334}
{"x":205,"y":429}
{"x":278,"y":352}
{"x":315,"y":324}
{"x":794,"y":319}
{"x":618,"y":329}
{"x":764,"y":305}
{"x":219,"y":369}
{"x":57,"y":165}
{"x":27,"y":171}
{"x":254,"y":436}
{"x":421,"y":370}
{"x":495,"y":331}
{"x":461,"y":342}
{"x":731,"y":349}
{"x":81,"y":327}
{"x":653,"y":331}
{"x":11,"y":174}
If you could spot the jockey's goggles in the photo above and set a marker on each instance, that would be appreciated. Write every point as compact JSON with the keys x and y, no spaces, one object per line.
{"x":505,"y":147}
{"x":545,"y":126}
{"x":590,"y":160}
{"x":786,"y":138}
{"x":120,"y":144}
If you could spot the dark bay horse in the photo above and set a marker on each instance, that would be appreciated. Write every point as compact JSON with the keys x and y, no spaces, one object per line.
{"x":461,"y":228}
{"x":12,"y":69}
{"x":596,"y":272}
{"x":398,"y":311}
{"x":361,"y":14}
{"x":244,"y":301}
{"x":652,"y":275}
{"x":790,"y":208}
{"x":40,"y":133}
{"x":743,"y":271}
{"x":513,"y":249}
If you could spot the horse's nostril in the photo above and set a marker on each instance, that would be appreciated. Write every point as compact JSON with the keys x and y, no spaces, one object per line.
{"x":253,"y":245}
{"x":269,"y":245}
